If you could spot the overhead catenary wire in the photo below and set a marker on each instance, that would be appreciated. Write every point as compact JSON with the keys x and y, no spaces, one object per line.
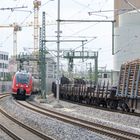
{"x":81,"y":10}
{"x":10,"y":13}
{"x":12,"y":10}
{"x":75,"y":32}
{"x":25,"y":19}
{"x":132,"y":5}
{"x":85,"y":6}
{"x":103,"y":4}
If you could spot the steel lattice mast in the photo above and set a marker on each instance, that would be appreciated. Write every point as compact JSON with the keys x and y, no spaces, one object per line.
{"x":42,"y":54}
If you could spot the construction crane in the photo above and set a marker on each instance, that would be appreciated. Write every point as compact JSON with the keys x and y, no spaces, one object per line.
{"x":12,"y":8}
{"x":36,"y":4}
{"x":16,"y":28}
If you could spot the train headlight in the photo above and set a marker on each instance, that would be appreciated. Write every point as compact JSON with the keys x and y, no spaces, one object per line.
{"x":26,"y":85}
{"x":17,"y":85}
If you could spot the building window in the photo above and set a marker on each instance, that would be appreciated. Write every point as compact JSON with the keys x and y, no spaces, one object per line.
{"x":5,"y":66}
{"x":105,"y":75}
{"x":0,"y":56}
{"x":6,"y":57}
{"x":3,"y":57}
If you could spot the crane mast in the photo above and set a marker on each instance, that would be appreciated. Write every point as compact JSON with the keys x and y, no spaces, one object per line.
{"x":16,"y":29}
{"x":36,"y":4}
{"x":15,"y":26}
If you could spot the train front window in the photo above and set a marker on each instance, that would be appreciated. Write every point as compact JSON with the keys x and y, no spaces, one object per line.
{"x":22,"y":78}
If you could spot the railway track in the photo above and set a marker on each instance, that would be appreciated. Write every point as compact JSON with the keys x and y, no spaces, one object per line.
{"x":104,"y":109}
{"x":10,"y":133}
{"x":19,"y":131}
{"x":104,"y":130}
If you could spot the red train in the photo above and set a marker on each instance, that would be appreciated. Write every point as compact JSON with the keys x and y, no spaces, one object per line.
{"x":24,"y":85}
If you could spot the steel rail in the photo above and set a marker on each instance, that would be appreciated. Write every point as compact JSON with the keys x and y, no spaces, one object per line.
{"x":32,"y":130}
{"x":10,"y":133}
{"x":105,"y":130}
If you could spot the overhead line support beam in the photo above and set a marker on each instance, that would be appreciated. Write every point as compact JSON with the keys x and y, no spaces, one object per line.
{"x":60,"y":20}
{"x":64,"y":40}
{"x":86,"y":20}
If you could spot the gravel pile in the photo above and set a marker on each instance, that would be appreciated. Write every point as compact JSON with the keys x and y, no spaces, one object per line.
{"x":52,"y":127}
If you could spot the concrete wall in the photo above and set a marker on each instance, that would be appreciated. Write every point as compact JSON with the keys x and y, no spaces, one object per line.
{"x":124,"y":4}
{"x":127,"y":39}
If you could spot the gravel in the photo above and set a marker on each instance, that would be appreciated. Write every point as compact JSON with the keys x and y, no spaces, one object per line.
{"x":63,"y":131}
{"x":52,"y":127}
{"x":4,"y":136}
{"x":115,"y":120}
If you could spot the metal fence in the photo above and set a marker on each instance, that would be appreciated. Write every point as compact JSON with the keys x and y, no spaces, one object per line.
{"x":5,"y":86}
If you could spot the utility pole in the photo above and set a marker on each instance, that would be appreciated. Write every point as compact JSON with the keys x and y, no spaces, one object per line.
{"x":58,"y":49}
{"x":96,"y":69}
{"x":90,"y":72}
{"x":83,"y":51}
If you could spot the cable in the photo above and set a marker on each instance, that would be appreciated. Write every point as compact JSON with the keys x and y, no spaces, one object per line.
{"x":84,"y":29}
{"x":46,"y":3}
{"x":9,"y":18}
{"x":80,"y":4}
{"x":126,"y":10}
{"x":7,"y":38}
{"x":104,"y":4}
{"x":83,"y":44}
{"x":26,"y":18}
{"x":31,"y":12}
{"x":11,"y":13}
{"x":132,"y":5}
{"x":81,"y":10}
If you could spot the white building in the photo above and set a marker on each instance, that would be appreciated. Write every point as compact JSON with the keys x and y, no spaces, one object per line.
{"x":127,"y":39}
{"x":3,"y":65}
{"x":127,"y":33}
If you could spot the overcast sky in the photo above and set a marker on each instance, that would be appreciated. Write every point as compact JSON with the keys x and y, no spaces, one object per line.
{"x":70,"y":9}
